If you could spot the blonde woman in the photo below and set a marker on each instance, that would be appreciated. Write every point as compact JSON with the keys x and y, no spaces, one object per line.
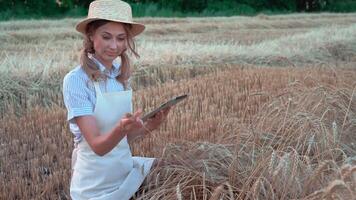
{"x":98,"y":98}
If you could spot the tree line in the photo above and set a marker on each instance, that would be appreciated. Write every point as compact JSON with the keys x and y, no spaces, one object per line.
{"x":175,"y":8}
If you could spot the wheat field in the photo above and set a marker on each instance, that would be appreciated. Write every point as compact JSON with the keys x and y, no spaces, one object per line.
{"x":271,"y":111}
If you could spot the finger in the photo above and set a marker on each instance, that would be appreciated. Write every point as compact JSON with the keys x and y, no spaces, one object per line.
{"x":126,"y":121}
{"x":139,"y":120}
{"x":159,"y":115}
{"x":128,"y":115}
{"x":138,"y":124}
{"x":137,"y":113}
{"x":131,"y":124}
{"x":129,"y":120}
{"x":166,"y":111}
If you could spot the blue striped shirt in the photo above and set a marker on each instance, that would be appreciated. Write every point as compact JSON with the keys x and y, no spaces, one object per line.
{"x":79,"y":93}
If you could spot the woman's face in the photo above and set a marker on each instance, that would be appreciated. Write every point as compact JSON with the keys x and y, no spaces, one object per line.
{"x":109,"y":42}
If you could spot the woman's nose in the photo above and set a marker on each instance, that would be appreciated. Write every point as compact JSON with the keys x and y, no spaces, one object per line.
{"x":113,"y":44}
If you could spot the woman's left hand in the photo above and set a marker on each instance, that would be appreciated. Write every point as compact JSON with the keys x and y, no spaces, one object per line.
{"x":155,"y":121}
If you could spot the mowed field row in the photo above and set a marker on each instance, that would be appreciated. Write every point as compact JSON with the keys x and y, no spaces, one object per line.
{"x":255,"y":40}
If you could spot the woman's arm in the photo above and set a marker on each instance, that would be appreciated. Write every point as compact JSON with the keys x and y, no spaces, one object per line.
{"x":104,"y":143}
{"x":100,"y":144}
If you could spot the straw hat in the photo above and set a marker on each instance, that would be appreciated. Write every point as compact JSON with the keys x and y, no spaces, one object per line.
{"x":112,"y":10}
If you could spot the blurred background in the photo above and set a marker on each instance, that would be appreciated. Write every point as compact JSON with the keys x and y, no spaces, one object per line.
{"x":25,"y":9}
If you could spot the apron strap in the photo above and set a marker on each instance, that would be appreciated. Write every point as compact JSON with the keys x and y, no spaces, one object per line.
{"x":97,"y":89}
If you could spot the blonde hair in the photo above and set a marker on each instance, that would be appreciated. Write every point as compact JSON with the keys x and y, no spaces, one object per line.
{"x":91,"y":68}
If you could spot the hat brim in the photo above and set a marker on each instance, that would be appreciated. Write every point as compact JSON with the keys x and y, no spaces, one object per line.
{"x":136,"y":28}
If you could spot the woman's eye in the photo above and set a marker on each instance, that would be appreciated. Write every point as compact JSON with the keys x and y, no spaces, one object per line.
{"x":106,"y":37}
{"x":121,"y":39}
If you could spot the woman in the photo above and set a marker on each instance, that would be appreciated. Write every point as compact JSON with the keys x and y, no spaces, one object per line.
{"x":98,"y":98}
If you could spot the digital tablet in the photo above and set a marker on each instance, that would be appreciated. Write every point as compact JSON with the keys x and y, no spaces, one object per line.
{"x":171,"y":102}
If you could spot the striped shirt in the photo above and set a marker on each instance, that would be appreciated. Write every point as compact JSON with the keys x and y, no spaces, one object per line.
{"x":79,"y":93}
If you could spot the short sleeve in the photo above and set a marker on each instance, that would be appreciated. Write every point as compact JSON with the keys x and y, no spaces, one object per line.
{"x":76,"y":97}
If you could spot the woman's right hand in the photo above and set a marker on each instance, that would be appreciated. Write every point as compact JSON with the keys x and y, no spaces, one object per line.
{"x":104,"y":143}
{"x":131,"y":122}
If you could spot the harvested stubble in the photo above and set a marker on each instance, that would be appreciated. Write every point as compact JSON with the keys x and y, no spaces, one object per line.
{"x":35,"y":155}
{"x":269,"y":155}
{"x":255,"y":133}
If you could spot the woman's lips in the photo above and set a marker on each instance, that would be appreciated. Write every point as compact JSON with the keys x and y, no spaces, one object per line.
{"x":111,"y":54}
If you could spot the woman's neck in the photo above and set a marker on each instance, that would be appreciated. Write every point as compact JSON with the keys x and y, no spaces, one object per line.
{"x":107,"y":65}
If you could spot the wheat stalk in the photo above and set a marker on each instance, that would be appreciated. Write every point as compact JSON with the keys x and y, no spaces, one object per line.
{"x":216,"y":193}
{"x":179,"y":192}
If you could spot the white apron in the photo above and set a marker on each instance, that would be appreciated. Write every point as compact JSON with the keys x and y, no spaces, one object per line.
{"x":116,"y":175}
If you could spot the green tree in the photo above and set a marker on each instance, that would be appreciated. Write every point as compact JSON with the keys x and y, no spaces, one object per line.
{"x":30,"y":7}
{"x":256,"y":4}
{"x":285,"y":5}
{"x":194,"y":6}
{"x":340,"y":6}
{"x":175,"y":5}
{"x":311,"y":5}
{"x":82,"y":3}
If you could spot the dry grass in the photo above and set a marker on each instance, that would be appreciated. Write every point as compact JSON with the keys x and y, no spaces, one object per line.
{"x":41,"y":52}
{"x":195,"y":40}
{"x":254,"y":143}
{"x":261,"y":143}
{"x":250,"y":130}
